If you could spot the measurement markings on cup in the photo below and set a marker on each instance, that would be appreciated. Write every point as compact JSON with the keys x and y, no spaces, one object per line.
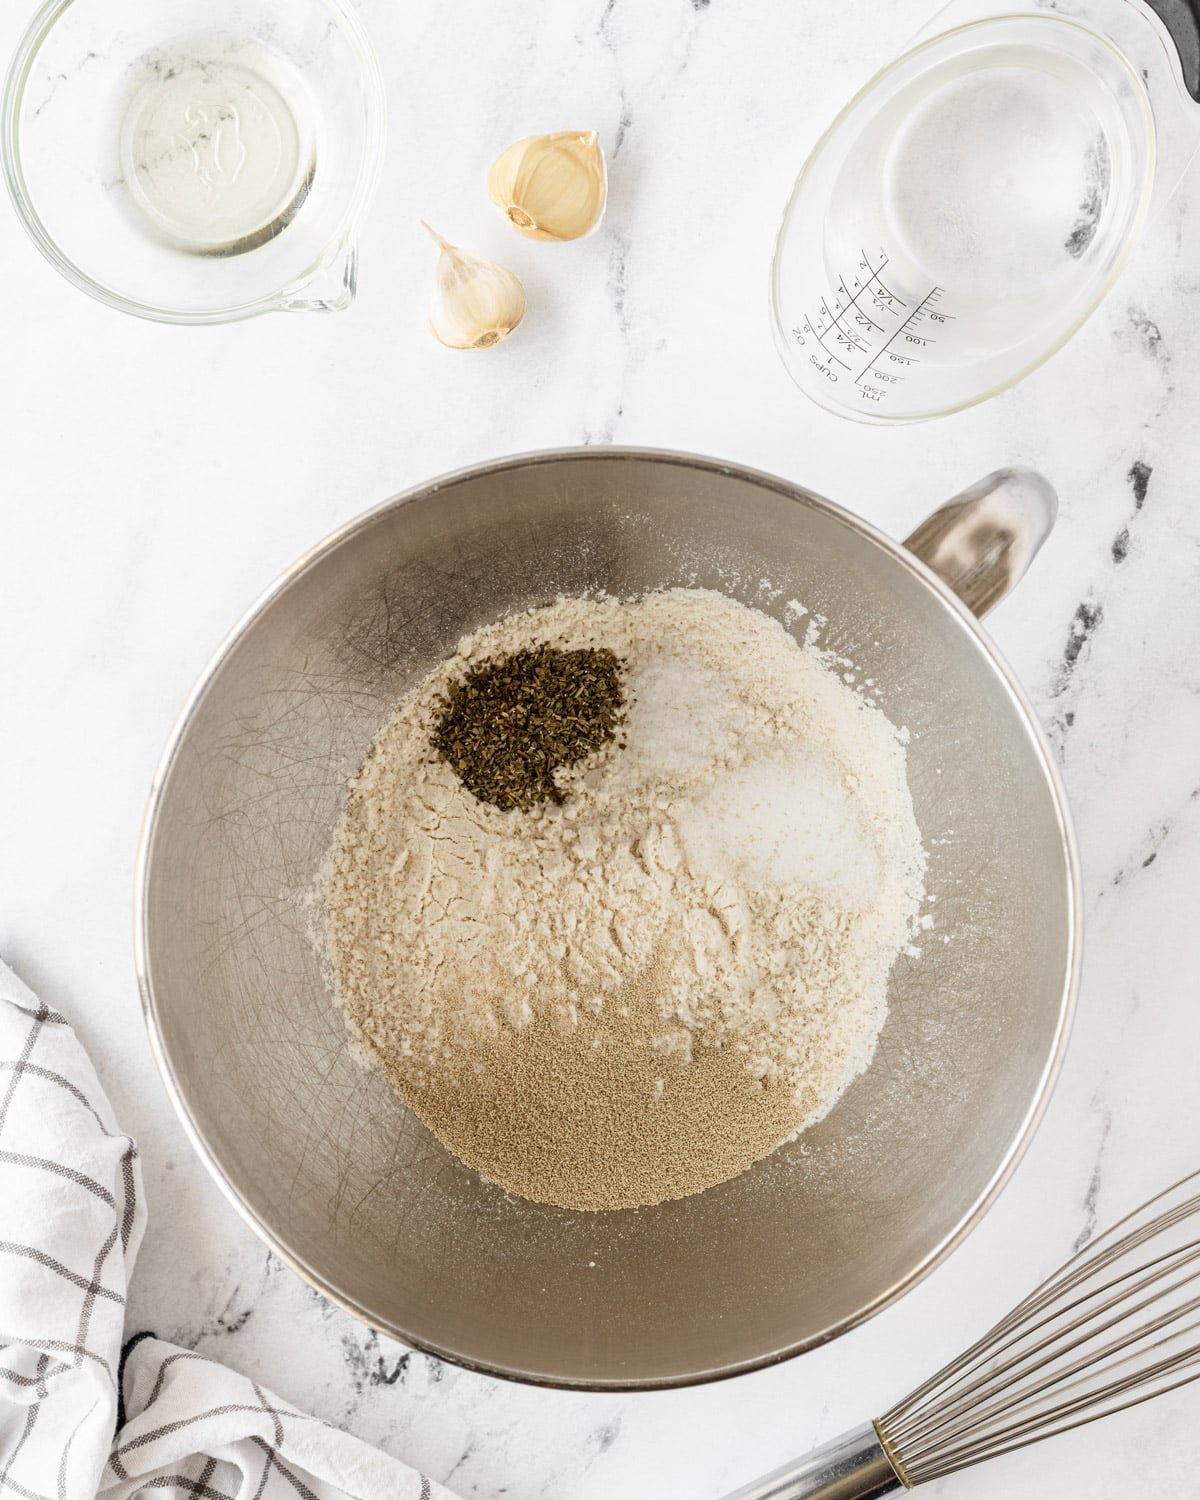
{"x":926,"y":312}
{"x":870,"y":326}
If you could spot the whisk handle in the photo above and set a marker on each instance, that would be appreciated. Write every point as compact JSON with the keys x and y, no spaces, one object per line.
{"x":851,"y":1467}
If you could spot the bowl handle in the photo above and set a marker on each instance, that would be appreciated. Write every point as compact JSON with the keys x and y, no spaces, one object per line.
{"x":981,"y":542}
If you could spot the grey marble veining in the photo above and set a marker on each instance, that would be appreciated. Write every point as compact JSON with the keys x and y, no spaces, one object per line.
{"x":155,"y":479}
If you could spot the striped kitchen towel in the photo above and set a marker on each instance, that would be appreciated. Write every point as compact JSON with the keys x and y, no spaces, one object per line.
{"x":71,"y":1220}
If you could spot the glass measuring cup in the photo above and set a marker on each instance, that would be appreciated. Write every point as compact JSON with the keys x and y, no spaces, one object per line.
{"x":196,"y":161}
{"x":968,"y":210}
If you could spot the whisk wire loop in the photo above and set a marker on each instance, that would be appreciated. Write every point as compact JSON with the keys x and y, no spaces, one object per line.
{"x":1029,"y":1361}
{"x":1112,"y":1327}
{"x":1080,"y":1267}
{"x":1088,"y":1407}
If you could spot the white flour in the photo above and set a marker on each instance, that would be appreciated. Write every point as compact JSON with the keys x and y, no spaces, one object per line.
{"x":753,"y":848}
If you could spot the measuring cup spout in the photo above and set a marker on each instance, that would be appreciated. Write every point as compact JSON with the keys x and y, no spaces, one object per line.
{"x":981,"y":543}
{"x":330,"y":288}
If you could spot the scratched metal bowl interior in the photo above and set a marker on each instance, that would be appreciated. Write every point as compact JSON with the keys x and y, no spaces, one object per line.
{"x":331,"y":1169}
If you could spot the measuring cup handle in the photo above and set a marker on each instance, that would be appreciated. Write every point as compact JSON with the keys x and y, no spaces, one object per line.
{"x":1182,"y":20}
{"x":981,"y":542}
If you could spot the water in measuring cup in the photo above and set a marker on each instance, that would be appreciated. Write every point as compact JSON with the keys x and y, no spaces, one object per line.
{"x":989,"y":185}
{"x":967,"y":215}
{"x":217,"y":145}
{"x":993,"y":187}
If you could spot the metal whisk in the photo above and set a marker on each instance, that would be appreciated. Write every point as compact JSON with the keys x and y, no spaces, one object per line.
{"x":1117,"y":1324}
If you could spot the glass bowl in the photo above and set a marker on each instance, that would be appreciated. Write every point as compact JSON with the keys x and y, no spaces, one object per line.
{"x":196,"y":161}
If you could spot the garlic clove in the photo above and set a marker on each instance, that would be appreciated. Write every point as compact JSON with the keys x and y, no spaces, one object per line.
{"x":552,"y":187}
{"x":476,"y":303}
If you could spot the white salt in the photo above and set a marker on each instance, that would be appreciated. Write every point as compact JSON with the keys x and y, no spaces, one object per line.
{"x":783,"y":819}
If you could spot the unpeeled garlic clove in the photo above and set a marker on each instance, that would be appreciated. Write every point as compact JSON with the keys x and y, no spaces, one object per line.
{"x":476,"y":303}
{"x":551,"y":187}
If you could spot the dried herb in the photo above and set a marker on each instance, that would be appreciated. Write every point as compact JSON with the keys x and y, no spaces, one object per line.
{"x":515,"y":720}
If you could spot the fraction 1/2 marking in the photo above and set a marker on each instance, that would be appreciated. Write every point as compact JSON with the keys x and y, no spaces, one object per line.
{"x":870,"y":326}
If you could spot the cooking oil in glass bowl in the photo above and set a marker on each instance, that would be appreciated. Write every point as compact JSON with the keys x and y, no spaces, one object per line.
{"x":196,"y":161}
{"x":217,"y":146}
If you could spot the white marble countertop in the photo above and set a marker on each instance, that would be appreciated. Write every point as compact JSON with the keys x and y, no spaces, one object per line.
{"x":155,"y":479}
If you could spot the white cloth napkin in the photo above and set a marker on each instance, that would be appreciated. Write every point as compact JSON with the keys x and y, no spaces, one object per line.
{"x":71,"y":1221}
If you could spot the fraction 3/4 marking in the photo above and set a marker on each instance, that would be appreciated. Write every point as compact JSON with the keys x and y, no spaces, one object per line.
{"x":863,"y":311}
{"x":868,"y":331}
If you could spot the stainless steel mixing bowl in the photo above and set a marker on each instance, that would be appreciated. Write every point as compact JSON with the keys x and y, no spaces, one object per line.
{"x":349,"y":1188}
